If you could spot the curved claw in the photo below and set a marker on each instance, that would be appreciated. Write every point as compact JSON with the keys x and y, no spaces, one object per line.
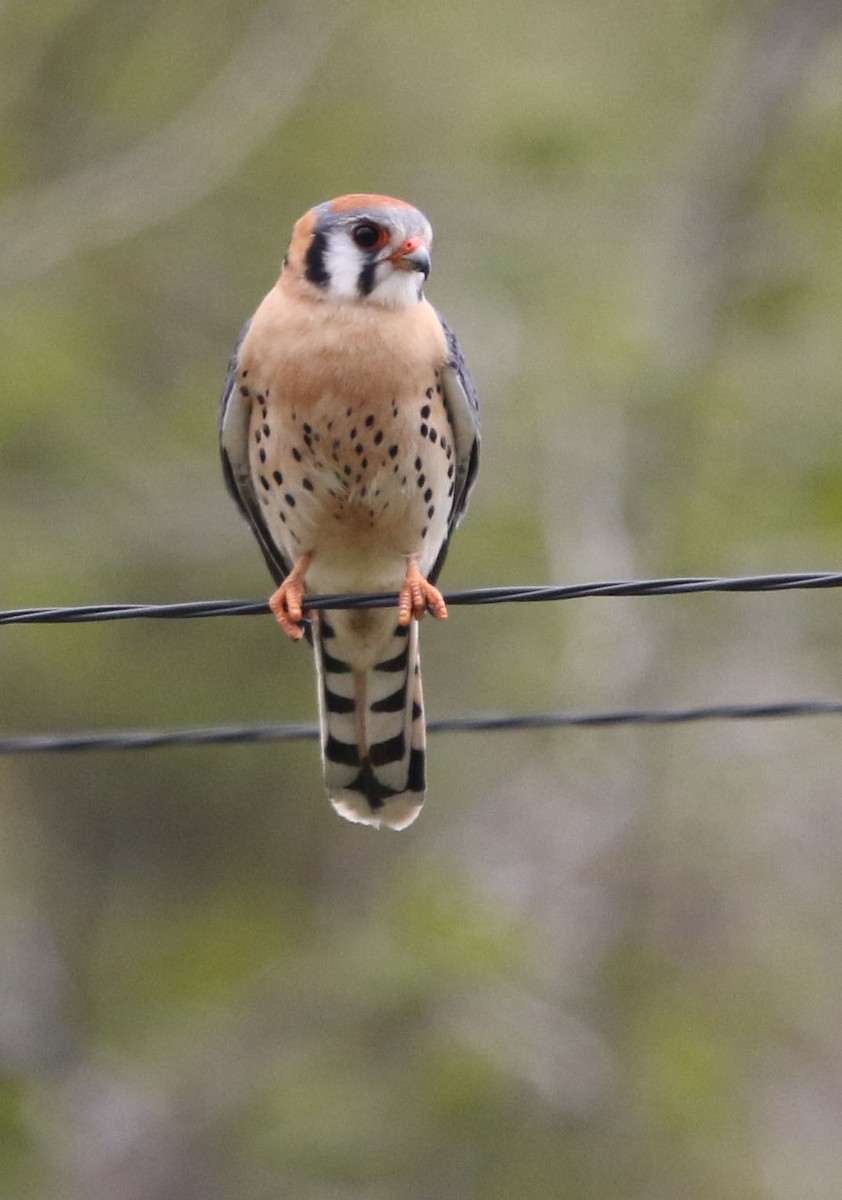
{"x":417,"y":596}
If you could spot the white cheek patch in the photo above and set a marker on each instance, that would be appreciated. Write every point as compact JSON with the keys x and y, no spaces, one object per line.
{"x":343,"y":264}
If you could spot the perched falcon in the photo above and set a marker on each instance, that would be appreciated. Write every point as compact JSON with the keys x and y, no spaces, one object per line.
{"x":350,"y":440}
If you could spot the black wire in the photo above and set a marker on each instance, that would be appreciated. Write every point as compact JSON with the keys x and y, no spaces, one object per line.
{"x":124,"y":612}
{"x":491,"y":595}
{"x":146,"y":739}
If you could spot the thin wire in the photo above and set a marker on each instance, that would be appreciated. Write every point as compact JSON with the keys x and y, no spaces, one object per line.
{"x":147,"y":739}
{"x":151,"y":738}
{"x":490,"y":595}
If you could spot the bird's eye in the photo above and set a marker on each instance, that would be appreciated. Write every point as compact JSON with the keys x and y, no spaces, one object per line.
{"x":367,"y":235}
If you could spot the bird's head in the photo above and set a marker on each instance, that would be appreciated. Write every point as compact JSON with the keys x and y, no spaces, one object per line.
{"x":362,"y":249}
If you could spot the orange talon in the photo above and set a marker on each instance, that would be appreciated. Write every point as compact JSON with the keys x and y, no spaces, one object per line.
{"x":286,"y":604}
{"x":417,"y":595}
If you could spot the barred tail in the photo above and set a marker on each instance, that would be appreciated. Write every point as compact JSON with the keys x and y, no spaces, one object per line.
{"x":372,"y":728}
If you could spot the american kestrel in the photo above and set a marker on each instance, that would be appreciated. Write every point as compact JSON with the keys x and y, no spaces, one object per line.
{"x":350,"y":440}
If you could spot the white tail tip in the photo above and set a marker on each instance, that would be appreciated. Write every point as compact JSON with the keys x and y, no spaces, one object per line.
{"x":397,"y":812}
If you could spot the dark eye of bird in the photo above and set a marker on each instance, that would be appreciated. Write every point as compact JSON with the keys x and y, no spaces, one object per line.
{"x":366,"y":235}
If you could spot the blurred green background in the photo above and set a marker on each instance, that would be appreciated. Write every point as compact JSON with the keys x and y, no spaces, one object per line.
{"x":604,"y":963}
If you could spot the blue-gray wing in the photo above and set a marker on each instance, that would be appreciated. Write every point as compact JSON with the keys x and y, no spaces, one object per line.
{"x":462,"y":405}
{"x":234,"y":416}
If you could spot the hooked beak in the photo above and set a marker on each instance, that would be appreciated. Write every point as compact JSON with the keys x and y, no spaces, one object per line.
{"x":413,"y":255}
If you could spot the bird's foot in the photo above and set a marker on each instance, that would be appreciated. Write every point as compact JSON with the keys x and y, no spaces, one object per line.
{"x":286,"y":602}
{"x":417,"y":596}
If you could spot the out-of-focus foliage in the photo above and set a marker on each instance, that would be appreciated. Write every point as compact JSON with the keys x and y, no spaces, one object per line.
{"x":604,"y":963}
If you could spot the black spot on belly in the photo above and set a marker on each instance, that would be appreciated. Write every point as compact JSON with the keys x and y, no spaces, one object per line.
{"x":307,"y":427}
{"x":378,"y":437}
{"x":290,"y":499}
{"x":306,"y":484}
{"x":430,"y":511}
{"x":433,"y":436}
{"x":358,"y":449}
{"x":418,"y":464}
{"x":296,"y":454}
{"x":428,"y":495}
{"x":262,"y":455}
{"x":369,"y":420}
{"x":429,"y":393}
{"x":266,"y":431}
{"x":264,"y":482}
{"x":425,"y":411}
{"x":393,"y":452}
{"x":450,"y":471}
{"x":424,"y":430}
{"x":278,"y":477}
{"x":257,"y":436}
{"x":244,"y":391}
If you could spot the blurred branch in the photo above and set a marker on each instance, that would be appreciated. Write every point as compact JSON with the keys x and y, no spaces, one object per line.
{"x":739,"y":126}
{"x":172,"y":169}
